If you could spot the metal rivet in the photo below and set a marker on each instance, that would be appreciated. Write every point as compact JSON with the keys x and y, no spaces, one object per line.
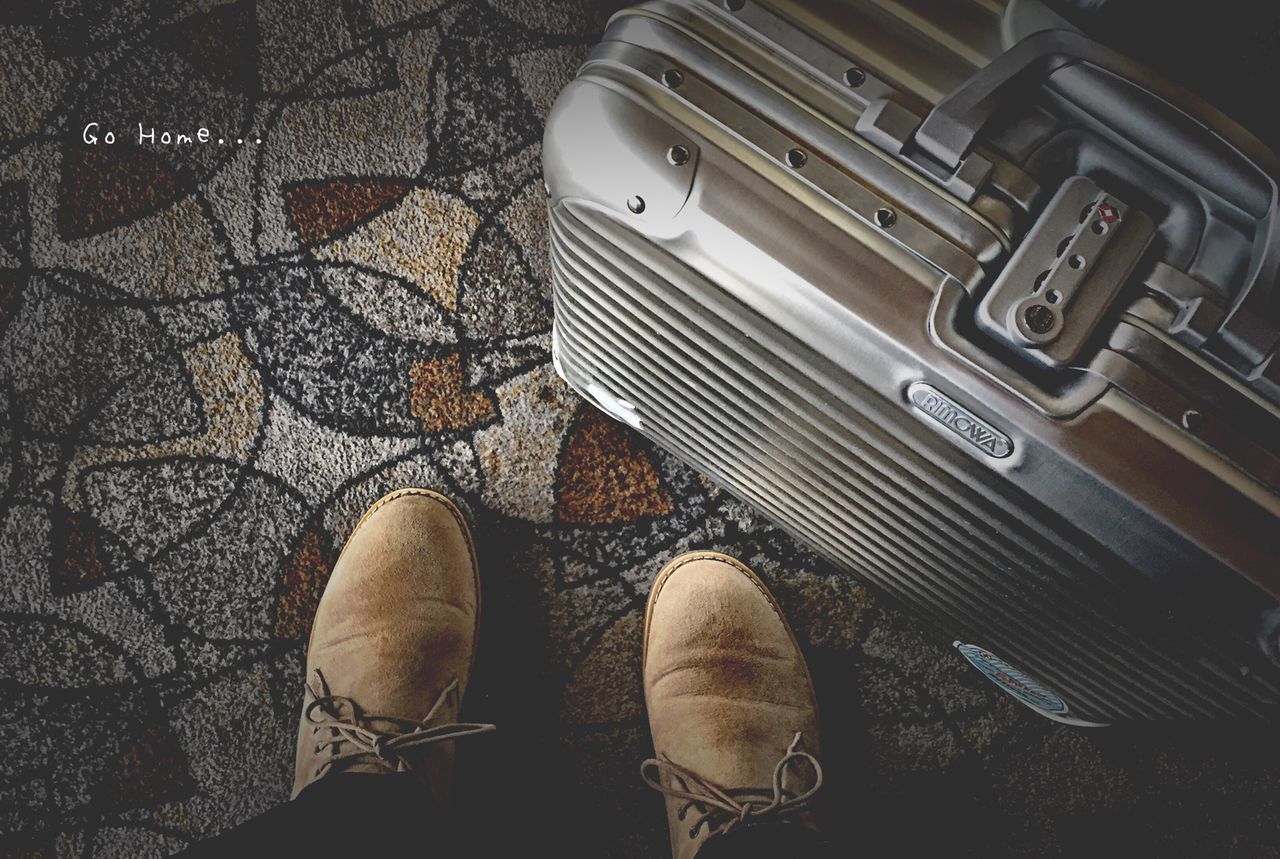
{"x":796,"y":158}
{"x":1053,"y":296}
{"x":734,"y":5}
{"x":886,"y":218}
{"x":677,"y":155}
{"x":636,"y":204}
{"x":1192,"y":420}
{"x":1077,"y":262}
{"x":1100,"y":228}
{"x":855,"y":77}
{"x":1039,"y":319}
{"x":672,"y":78}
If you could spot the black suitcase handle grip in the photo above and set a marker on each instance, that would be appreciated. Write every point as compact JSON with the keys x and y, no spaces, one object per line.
{"x":949,"y":132}
{"x":1169,"y":122}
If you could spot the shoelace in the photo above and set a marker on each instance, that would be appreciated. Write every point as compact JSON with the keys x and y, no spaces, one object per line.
{"x":720,"y":809}
{"x":390,"y":747}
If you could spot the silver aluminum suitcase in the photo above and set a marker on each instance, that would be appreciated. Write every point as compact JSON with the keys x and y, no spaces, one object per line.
{"x":978,"y":308}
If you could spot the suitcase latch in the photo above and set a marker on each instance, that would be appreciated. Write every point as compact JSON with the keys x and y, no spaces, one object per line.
{"x":1066,"y":273}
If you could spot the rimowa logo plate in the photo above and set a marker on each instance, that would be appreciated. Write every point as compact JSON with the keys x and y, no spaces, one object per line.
{"x":982,"y":435}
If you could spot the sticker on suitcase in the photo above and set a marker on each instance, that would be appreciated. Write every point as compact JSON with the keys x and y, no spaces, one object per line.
{"x":1022,"y":686}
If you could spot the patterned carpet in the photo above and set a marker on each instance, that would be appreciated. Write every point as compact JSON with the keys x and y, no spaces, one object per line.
{"x":214,"y":355}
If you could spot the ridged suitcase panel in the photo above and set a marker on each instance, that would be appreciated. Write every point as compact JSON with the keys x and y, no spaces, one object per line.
{"x":871,"y":503}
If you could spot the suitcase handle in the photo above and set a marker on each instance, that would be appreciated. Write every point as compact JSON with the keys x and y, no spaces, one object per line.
{"x":1169,"y":126}
{"x":949,"y":132}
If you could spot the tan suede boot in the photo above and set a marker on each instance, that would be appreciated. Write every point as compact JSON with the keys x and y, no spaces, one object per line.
{"x":391,"y":647}
{"x":731,"y":706}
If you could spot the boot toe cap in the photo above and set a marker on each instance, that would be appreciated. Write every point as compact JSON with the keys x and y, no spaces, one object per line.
{"x":412,"y":547}
{"x":721,"y":665}
{"x":403,"y":601}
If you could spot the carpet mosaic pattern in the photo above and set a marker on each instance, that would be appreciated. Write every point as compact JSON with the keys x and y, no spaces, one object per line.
{"x":215,"y":354}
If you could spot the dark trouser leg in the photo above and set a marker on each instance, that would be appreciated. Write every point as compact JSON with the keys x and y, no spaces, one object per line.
{"x":768,"y":841}
{"x":344,"y":814}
